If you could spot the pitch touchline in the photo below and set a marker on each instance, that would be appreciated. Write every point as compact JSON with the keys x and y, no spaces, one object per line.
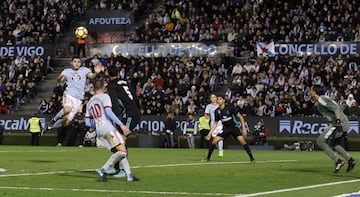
{"x":183,"y":193}
{"x":298,"y":188}
{"x":211,"y":163}
{"x":37,"y":151}
{"x":147,"y":166}
{"x":117,"y":191}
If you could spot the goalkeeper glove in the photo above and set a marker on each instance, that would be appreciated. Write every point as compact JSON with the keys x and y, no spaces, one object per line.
{"x":338,"y":122}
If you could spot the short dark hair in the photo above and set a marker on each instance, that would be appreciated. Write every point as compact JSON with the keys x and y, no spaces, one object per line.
{"x":318,"y":89}
{"x":75,"y":57}
{"x":220,"y":95}
{"x":113,"y":71}
{"x":98,"y":84}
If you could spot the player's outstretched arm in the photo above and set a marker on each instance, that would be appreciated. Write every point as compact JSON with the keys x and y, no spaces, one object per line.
{"x":211,"y":130}
{"x":89,"y":122}
{"x":243,"y":126}
{"x":61,"y":78}
{"x":97,"y":68}
{"x":116,"y":120}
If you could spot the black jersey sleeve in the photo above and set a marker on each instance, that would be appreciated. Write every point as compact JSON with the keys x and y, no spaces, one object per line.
{"x":113,"y":93}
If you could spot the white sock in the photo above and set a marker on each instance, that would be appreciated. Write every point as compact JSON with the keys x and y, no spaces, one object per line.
{"x":126,"y":166}
{"x":220,"y":145}
{"x":115,"y":157}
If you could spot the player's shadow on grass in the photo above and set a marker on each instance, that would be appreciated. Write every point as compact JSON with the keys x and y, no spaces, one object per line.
{"x":306,"y":170}
{"x":89,"y":174}
{"x":80,"y":173}
{"x":323,"y":171}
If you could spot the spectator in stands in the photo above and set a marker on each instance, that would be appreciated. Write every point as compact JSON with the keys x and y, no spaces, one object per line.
{"x":247,"y":110}
{"x":58,"y":89}
{"x":159,"y":81}
{"x":56,"y":100}
{"x":191,"y":107}
{"x":170,"y":126}
{"x":10,"y":100}
{"x":30,"y":90}
{"x":49,"y":64}
{"x":270,"y":109}
{"x":52,"y":108}
{"x":3,"y":107}
{"x":259,"y":109}
{"x":43,"y":26}
{"x":237,"y":70}
{"x":350,"y":100}
{"x":43,"y":107}
{"x":2,"y":85}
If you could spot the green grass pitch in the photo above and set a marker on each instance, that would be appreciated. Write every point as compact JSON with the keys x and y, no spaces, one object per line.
{"x":69,"y":171}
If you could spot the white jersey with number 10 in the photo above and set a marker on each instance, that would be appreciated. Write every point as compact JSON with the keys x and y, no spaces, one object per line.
{"x":96,"y":109}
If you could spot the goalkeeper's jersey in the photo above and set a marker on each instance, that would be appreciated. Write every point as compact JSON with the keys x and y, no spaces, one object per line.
{"x":330,"y":109}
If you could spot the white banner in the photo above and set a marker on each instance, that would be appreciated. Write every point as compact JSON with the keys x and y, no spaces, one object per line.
{"x":173,"y":49}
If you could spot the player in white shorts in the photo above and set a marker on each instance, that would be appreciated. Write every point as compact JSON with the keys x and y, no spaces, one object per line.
{"x":210,"y":112}
{"x":100,"y":116}
{"x":218,"y":130}
{"x":75,"y":78}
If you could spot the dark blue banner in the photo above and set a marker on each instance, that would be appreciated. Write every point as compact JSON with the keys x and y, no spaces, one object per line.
{"x":109,"y":21}
{"x":320,"y":48}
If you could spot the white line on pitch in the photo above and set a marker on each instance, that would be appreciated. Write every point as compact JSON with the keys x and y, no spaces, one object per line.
{"x":117,"y":191}
{"x":149,"y":166}
{"x":212,"y":163}
{"x":181,"y":193}
{"x":37,"y":151}
{"x":298,"y":188}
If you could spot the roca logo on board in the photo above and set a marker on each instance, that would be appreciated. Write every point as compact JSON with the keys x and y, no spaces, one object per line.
{"x":301,"y":127}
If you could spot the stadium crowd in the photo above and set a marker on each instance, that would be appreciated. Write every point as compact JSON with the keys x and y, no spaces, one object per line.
{"x":36,"y":22}
{"x":261,"y":86}
{"x":30,"y":23}
{"x":247,"y":21}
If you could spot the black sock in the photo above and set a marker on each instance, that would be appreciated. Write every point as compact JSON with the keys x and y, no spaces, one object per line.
{"x":248,"y":151}
{"x":117,"y":166}
{"x":211,"y":150}
{"x":53,"y":120}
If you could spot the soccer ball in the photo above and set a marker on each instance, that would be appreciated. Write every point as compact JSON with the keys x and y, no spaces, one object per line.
{"x":81,"y":32}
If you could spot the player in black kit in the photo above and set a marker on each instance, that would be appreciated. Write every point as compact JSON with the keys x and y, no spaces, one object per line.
{"x":124,"y":103}
{"x":230,"y":119}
